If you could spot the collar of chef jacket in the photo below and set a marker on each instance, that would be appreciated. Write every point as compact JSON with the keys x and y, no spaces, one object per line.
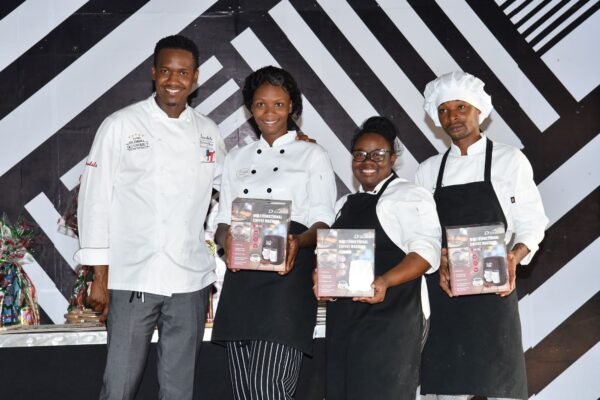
{"x":158,"y":112}
{"x":288,"y":137}
{"x":476,"y":148}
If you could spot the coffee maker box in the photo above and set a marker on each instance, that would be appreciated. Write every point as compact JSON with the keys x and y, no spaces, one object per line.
{"x":259,"y":230}
{"x":477,"y":259}
{"x":345,"y":262}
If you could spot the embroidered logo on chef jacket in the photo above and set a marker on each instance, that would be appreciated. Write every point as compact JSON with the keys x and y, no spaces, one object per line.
{"x":209,"y":156}
{"x":136,"y":141}
{"x":207,"y":147}
{"x":243,"y":172}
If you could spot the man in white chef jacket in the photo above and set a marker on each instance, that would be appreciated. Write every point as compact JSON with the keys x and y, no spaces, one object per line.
{"x":474,"y":345}
{"x":143,"y":200}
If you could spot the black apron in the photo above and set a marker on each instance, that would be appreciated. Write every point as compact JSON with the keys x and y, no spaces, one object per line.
{"x":373,"y":351}
{"x":474,"y":345}
{"x":263,"y":305}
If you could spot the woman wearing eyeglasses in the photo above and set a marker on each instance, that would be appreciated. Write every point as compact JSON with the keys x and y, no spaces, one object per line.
{"x":374,"y":343}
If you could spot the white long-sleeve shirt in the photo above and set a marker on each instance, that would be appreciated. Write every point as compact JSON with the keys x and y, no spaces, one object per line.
{"x":512,"y":180}
{"x":290,"y":170}
{"x":144,"y":197}
{"x":408,"y":215}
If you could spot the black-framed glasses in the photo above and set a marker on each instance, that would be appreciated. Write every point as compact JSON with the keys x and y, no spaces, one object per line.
{"x":374,"y":155}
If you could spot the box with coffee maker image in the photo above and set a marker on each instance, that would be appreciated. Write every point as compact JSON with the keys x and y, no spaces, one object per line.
{"x":477,"y":259}
{"x":345,"y":262}
{"x":259,"y":230}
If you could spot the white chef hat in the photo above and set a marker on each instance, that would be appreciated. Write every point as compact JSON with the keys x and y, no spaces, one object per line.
{"x":456,"y":85}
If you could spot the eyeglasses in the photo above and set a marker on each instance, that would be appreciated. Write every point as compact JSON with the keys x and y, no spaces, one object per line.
{"x":375,"y":155}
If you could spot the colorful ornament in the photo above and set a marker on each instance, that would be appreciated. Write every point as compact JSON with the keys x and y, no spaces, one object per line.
{"x":18,"y":300}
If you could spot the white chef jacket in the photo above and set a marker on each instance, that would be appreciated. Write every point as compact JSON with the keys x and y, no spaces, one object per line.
{"x":144,"y":197}
{"x":512,"y":180}
{"x":290,"y":170}
{"x":408,"y":215}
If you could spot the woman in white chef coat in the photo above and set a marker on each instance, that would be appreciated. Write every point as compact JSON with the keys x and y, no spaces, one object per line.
{"x":267,"y":319}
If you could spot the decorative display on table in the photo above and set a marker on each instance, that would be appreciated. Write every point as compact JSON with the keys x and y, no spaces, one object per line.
{"x":210,"y":313}
{"x":67,"y":224}
{"x":18,"y":300}
{"x":218,"y":253}
{"x":79,"y":310}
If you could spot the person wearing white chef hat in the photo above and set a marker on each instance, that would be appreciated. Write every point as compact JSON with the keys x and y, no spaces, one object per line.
{"x":457,"y":86}
{"x":474,"y":346}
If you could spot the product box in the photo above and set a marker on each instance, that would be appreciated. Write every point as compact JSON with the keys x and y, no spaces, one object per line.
{"x":259,"y":230}
{"x":345,"y":262}
{"x":477,"y":259}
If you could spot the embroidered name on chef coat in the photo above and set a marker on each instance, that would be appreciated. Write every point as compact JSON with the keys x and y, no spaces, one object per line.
{"x":136,"y":141}
{"x":207,"y":146}
{"x":243,"y":172}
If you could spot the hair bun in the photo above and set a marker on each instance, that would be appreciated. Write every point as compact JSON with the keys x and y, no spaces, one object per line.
{"x":380,"y":125}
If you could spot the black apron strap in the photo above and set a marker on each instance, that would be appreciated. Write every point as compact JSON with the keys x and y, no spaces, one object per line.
{"x":488,"y":164}
{"x":385,"y":185}
{"x":488,"y":161}
{"x":441,"y":171}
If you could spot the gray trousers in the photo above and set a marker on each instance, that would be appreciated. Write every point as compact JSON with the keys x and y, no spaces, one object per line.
{"x":132,"y":317}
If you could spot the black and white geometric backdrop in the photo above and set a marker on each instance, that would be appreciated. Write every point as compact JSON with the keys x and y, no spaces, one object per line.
{"x":67,"y":64}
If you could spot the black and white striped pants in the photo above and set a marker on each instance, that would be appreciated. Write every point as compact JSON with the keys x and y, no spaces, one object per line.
{"x":263,"y":370}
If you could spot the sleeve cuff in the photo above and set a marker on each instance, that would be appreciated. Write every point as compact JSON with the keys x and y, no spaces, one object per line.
{"x":327,"y":218}
{"x":431,"y":255}
{"x":222,"y":219}
{"x":92,"y":256}
{"x":531,"y":245}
